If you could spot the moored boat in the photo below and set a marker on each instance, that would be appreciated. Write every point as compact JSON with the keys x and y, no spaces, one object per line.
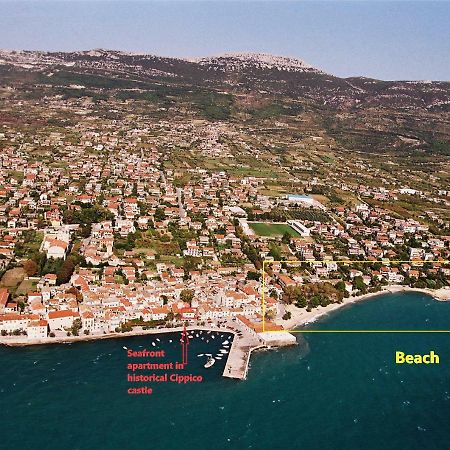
{"x":209,"y":363}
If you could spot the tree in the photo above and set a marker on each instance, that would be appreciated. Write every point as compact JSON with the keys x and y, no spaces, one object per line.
{"x":291,"y":294}
{"x":252,"y":275}
{"x":359,"y":284}
{"x":190,"y":264}
{"x":66,"y":271}
{"x":187,"y":295}
{"x":30,"y":267}
{"x":275,"y":252}
{"x":87,"y":215}
{"x":159,"y":215}
{"x":287,"y":315}
{"x":76,"y":327}
{"x":312,"y":295}
{"x":301,"y":302}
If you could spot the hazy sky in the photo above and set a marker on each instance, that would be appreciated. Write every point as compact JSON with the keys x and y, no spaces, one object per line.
{"x":387,"y":40}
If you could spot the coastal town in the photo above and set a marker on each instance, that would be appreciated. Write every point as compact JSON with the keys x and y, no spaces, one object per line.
{"x":224,"y":224}
{"x":109,"y":241}
{"x":119,"y":216}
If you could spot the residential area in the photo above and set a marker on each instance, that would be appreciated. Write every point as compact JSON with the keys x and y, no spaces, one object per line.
{"x":108,"y":240}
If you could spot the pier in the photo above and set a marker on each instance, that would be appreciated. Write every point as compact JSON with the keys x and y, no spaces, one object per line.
{"x":243,"y":345}
{"x":239,"y":356}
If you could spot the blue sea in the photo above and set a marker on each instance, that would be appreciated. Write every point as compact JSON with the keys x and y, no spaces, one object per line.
{"x":332,"y":391}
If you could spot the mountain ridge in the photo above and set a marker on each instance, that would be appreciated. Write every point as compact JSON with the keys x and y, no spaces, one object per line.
{"x":238,"y":73}
{"x":263,"y":59}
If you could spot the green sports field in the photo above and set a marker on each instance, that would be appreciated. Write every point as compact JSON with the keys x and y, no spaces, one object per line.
{"x":272,"y":229}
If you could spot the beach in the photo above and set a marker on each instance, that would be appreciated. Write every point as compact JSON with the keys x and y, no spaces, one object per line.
{"x":301,"y":317}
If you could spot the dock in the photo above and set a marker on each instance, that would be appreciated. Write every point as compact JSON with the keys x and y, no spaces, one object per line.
{"x":239,"y":356}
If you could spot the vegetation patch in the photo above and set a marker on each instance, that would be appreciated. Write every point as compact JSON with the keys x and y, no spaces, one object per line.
{"x":272,"y":229}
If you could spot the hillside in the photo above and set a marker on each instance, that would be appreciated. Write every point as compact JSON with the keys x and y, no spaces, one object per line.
{"x":357,"y":113}
{"x":247,"y":72}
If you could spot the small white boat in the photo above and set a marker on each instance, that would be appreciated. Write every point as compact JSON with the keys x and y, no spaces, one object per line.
{"x":209,"y":363}
{"x":196,"y":335}
{"x":208,"y":354}
{"x":201,"y":354}
{"x":154,"y":345}
{"x":158,"y":339}
{"x":170,"y":341}
{"x":223,"y":351}
{"x":224,"y":342}
{"x":213,"y":336}
{"x":125,"y":348}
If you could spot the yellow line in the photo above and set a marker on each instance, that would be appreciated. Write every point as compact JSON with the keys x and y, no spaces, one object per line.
{"x":358,"y":331}
{"x":263,"y":306}
{"x":355,"y":261}
{"x":384,"y":261}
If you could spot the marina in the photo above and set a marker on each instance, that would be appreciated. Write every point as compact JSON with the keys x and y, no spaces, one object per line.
{"x":243,"y":343}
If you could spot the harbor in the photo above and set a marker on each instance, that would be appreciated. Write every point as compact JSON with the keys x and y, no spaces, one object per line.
{"x":244,"y":342}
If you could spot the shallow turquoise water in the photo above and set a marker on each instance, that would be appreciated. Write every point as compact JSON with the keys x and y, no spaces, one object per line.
{"x":333,"y":391}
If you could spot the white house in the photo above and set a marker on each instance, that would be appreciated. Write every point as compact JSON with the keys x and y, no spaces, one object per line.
{"x":57,"y":249}
{"x":37,"y":329}
{"x":61,"y":319}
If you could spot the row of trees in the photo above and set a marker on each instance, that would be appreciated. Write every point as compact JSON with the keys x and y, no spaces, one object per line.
{"x":312,"y":295}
